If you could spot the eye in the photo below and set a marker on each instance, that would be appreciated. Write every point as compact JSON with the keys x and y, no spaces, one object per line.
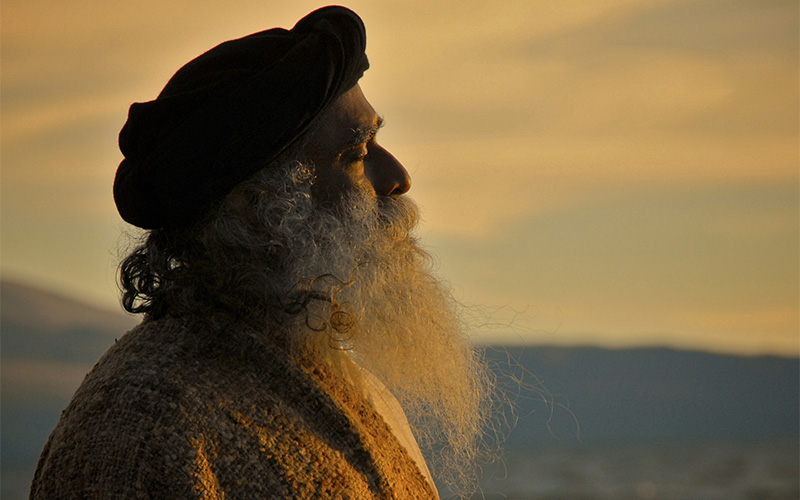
{"x":359,"y":154}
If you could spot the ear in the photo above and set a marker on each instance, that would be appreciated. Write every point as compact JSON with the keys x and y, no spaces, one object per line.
{"x":242,"y":201}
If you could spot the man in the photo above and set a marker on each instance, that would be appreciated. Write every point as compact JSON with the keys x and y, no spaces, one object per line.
{"x":294,"y":343}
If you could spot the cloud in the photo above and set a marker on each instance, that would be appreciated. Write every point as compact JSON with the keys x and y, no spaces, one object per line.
{"x":664,"y":262}
{"x":535,"y":131}
{"x":557,"y":105}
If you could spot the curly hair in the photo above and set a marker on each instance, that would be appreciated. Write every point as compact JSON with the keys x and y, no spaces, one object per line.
{"x":240,"y":261}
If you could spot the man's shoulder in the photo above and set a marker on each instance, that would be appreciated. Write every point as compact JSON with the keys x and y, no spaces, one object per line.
{"x":139,"y":379}
{"x":150,"y":355}
{"x":150,"y":407}
{"x":166,"y":360}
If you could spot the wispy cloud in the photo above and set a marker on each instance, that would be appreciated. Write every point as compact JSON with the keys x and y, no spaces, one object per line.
{"x":508,"y":115}
{"x":690,"y":263}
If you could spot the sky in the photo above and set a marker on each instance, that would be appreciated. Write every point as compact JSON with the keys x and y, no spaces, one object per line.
{"x":618,"y":173}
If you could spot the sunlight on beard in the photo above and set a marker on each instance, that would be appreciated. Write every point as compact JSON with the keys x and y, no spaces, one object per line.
{"x":408,"y":333}
{"x":384,"y":307}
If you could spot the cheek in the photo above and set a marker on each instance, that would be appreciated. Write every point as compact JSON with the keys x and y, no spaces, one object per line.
{"x":335,"y":182}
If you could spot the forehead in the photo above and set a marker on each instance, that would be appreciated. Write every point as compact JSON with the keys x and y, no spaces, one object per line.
{"x":345,"y":121}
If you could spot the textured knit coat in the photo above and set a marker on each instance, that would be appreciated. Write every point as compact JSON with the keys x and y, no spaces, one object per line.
{"x":165,"y":416}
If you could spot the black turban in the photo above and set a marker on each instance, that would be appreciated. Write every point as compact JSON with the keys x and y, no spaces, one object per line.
{"x":229,"y":112}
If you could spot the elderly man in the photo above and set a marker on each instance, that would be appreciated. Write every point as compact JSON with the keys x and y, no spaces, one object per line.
{"x":294,"y":342}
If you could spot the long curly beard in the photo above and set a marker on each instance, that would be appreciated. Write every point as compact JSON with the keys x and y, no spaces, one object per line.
{"x":368,"y":289}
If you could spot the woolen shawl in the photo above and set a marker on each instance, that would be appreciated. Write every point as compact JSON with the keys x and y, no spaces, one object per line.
{"x":170,"y":412}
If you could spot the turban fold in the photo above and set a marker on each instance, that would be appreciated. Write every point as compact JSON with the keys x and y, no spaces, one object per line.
{"x":229,"y":112}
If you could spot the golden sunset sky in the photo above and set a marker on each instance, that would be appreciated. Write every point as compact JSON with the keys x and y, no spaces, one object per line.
{"x":615,"y":173}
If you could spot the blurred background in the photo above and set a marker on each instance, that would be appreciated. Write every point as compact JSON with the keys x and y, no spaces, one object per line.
{"x":611,"y":188}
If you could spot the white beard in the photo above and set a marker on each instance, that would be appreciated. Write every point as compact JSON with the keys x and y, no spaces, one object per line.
{"x":383,"y":305}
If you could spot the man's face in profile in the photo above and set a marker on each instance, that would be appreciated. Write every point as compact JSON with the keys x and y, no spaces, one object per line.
{"x":329,"y":220}
{"x":346,"y":156}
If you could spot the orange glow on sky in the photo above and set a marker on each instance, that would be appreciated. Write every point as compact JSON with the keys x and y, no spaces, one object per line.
{"x":616,"y":173}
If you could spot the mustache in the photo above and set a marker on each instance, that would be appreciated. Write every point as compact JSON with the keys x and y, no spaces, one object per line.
{"x":368,"y":216}
{"x":400,"y":210}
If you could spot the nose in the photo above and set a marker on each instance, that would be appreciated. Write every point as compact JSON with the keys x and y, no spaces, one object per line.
{"x":386,"y":174}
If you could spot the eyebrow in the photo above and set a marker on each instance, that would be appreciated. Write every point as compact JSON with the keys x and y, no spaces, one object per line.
{"x":363,"y":135}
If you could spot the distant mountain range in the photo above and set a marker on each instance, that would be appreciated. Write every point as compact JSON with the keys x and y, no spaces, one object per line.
{"x":598,"y":396}
{"x":568,"y":397}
